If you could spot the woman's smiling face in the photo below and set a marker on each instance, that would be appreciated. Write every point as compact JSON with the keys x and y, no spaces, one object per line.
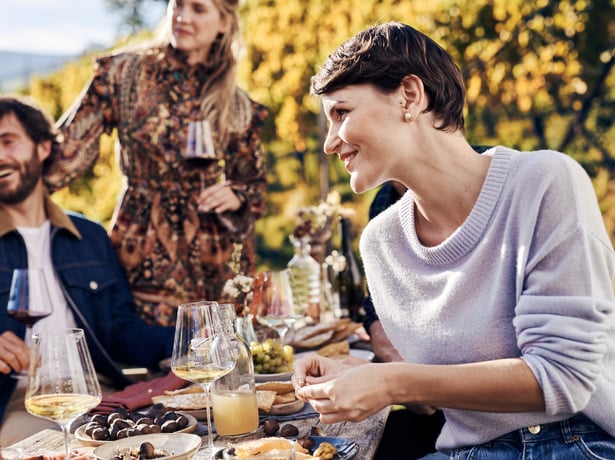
{"x":363,"y":132}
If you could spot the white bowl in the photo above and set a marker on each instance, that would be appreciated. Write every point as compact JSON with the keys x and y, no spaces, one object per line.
{"x":181,"y":446}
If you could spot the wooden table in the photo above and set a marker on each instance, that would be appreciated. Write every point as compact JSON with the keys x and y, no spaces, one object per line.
{"x":366,"y":434}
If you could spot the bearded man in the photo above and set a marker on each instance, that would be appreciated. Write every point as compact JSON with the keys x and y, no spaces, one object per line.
{"x":87,"y":284}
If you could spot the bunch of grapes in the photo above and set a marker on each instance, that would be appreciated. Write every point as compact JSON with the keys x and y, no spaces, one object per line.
{"x":271,"y":357}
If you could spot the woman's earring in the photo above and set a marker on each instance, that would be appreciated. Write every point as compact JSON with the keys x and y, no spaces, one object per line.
{"x":407,"y":116}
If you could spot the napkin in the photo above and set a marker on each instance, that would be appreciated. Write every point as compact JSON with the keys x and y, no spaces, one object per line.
{"x":307,"y":412}
{"x":76,"y":454}
{"x":139,"y":394}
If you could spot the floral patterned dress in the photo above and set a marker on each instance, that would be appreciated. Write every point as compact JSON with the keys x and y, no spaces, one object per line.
{"x":172,"y":253}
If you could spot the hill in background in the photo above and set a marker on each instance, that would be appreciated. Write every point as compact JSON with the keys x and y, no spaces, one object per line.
{"x":17,"y":68}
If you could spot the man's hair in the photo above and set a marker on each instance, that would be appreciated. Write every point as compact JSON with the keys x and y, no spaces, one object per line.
{"x":386,"y":53}
{"x":37,"y":124}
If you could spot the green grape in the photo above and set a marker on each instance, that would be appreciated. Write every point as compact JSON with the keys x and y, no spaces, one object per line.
{"x":270,"y":357}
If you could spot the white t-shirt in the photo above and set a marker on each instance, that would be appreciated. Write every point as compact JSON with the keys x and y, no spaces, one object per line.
{"x":37,"y":241}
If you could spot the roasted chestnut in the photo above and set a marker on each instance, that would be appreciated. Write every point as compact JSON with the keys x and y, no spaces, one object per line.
{"x":99,"y":419}
{"x":169,"y":426}
{"x":147,"y":450}
{"x":271,"y":427}
{"x":289,"y":430}
{"x":306,"y":442}
{"x":100,"y":434}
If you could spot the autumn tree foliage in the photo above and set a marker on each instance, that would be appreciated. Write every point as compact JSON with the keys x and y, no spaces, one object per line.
{"x":538,"y":74}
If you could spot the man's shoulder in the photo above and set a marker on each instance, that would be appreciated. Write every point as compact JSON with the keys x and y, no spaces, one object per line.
{"x":84,"y":223}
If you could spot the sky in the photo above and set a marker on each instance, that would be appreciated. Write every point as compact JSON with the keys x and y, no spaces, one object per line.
{"x":61,"y":26}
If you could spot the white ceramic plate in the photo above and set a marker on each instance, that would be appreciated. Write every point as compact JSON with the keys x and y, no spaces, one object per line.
{"x":279,"y":377}
{"x":88,"y":441}
{"x":347,"y":449}
{"x":181,"y":446}
{"x":285,"y":409}
{"x":357,"y":353}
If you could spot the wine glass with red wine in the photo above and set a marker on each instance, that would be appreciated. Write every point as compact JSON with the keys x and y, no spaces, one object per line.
{"x":29,"y":299}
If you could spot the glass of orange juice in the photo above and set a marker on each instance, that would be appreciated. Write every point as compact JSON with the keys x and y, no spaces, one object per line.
{"x":233,"y":396}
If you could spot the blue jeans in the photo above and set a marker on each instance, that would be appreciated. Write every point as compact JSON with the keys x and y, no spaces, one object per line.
{"x":571,"y":439}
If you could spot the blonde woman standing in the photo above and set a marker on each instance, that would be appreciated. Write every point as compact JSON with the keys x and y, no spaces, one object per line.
{"x":189,"y":151}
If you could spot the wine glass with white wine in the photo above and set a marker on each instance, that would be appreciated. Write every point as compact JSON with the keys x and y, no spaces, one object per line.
{"x":62,"y":382}
{"x":276,"y":307}
{"x":201,"y":354}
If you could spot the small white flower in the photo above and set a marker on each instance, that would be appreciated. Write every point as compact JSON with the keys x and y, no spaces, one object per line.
{"x":336,"y":261}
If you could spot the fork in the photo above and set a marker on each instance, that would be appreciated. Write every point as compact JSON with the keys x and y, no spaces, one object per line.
{"x":346,"y":450}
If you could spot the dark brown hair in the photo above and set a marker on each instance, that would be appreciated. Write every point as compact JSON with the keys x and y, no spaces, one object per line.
{"x":37,"y":124}
{"x":383,"y":55}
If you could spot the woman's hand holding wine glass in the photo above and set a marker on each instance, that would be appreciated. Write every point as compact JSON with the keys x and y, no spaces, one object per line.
{"x":62,"y":381}
{"x":201,"y":353}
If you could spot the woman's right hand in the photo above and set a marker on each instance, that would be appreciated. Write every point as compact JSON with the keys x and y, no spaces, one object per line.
{"x":14,"y":353}
{"x":314,"y":368}
{"x":339,"y":391}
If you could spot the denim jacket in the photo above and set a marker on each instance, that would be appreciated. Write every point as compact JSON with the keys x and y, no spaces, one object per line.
{"x":97,"y":293}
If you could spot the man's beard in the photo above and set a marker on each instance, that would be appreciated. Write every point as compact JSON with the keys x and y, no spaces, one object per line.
{"x":29,"y":174}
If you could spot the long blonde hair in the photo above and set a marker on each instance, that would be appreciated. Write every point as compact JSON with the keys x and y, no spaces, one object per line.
{"x":223,"y":103}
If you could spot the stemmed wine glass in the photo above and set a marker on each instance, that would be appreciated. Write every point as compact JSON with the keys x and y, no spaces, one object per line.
{"x":200,"y":150}
{"x":29,"y":300}
{"x":201,"y":353}
{"x":62,"y":381}
{"x":276,"y":307}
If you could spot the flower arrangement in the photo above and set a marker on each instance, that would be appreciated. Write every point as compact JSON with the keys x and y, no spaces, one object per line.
{"x":316,"y":221}
{"x":238,"y":289}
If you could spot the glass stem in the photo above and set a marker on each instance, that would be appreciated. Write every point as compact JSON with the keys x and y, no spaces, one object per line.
{"x":210,"y":437}
{"x":282,"y":333}
{"x":65,"y":431}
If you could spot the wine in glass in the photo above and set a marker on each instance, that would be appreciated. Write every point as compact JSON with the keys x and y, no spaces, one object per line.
{"x":201,"y":151}
{"x":201,"y":353}
{"x":276,"y":307}
{"x":29,"y":299}
{"x":62,"y":381}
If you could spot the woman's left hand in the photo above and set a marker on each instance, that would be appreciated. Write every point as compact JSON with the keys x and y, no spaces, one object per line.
{"x":218,"y":198}
{"x":353,"y":394}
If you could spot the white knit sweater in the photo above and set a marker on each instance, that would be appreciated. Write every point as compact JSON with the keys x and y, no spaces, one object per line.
{"x":528,"y":274}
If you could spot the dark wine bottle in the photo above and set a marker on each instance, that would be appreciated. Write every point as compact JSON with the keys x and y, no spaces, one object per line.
{"x":350,"y":279}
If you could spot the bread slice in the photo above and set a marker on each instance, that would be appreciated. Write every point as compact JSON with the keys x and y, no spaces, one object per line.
{"x":272,"y":444}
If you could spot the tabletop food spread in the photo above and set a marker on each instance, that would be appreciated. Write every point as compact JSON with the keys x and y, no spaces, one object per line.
{"x":177,"y":413}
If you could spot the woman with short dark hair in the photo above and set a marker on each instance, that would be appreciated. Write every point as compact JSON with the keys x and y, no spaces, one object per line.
{"x":492,"y":276}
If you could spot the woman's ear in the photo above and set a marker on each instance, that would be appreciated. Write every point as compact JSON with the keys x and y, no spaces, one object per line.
{"x":413,"y":94}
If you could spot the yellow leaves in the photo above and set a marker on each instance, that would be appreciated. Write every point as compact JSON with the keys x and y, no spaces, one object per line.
{"x":518,"y":57}
{"x":473,"y":88}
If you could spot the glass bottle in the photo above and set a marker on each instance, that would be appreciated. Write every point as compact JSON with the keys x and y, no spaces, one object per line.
{"x":350,"y":279}
{"x":245,"y":328}
{"x":305,"y":278}
{"x":235,"y":409}
{"x":328,"y":302}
